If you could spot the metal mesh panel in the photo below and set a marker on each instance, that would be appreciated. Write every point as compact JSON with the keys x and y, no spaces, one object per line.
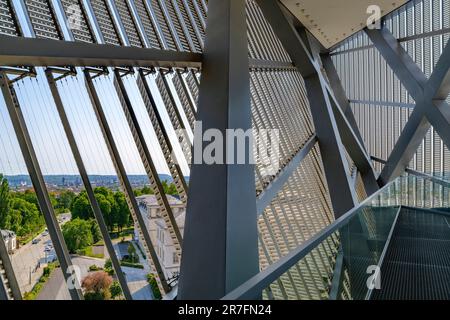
{"x":380,"y":103}
{"x":43,"y":19}
{"x":7,"y":19}
{"x":147,"y":23}
{"x":105,"y":22}
{"x":299,"y":211}
{"x":263,"y":44}
{"x":162,"y":22}
{"x":74,"y":10}
{"x":174,"y":20}
{"x":185,"y":21}
{"x":174,"y":116}
{"x":282,"y":106}
{"x":198,"y":22}
{"x":129,"y":25}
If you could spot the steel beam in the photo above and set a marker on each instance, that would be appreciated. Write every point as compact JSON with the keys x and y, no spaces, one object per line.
{"x":404,"y":67}
{"x":123,"y":178}
{"x":342,"y":193}
{"x":163,"y":138}
{"x":343,"y":196}
{"x":269,"y":64}
{"x":20,"y":51}
{"x":431,"y":109}
{"x":339,"y":93}
{"x":354,"y":148}
{"x":286,"y":32}
{"x":40,"y":188}
{"x":220,"y":249}
{"x":87,"y":184}
{"x":147,"y":160}
{"x":276,"y":184}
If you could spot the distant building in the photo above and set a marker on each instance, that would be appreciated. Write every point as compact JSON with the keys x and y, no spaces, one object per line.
{"x":159,"y":234}
{"x":10,"y":240}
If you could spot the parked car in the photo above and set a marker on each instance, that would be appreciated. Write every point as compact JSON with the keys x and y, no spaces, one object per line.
{"x":35,"y":241}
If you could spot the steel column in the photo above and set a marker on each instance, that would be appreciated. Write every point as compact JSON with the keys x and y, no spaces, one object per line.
{"x":337,"y":173}
{"x":336,"y":87}
{"x":430,"y":95}
{"x":220,"y":248}
{"x":40,"y":188}
{"x":87,"y":184}
{"x":147,"y":159}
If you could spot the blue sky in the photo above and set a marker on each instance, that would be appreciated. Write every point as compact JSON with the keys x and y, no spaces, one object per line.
{"x":48,"y":136}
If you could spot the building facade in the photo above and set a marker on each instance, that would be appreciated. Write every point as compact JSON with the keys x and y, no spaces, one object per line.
{"x":159,"y":233}
{"x":10,"y":239}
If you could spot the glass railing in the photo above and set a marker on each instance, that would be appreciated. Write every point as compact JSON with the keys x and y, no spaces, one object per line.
{"x":353,"y":247}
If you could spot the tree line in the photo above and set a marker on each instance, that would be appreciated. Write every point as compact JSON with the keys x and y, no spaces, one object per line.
{"x":19,"y":211}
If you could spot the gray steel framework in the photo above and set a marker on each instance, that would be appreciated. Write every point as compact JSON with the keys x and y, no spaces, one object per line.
{"x":430,"y":95}
{"x":37,"y":179}
{"x":124,"y":182}
{"x":308,"y":63}
{"x":221,"y":241}
{"x":18,"y":51}
{"x":87,"y":185}
{"x":220,"y":238}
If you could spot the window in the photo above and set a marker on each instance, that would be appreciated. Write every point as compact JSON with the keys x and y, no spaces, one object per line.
{"x":175,"y":258}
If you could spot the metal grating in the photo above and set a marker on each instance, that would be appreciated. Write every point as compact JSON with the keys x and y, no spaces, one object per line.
{"x":379,"y":101}
{"x":174,"y":115}
{"x":74,"y":10}
{"x":163,"y":25}
{"x":126,"y":16}
{"x":105,"y":22}
{"x":174,"y":21}
{"x":197,"y":22}
{"x":419,"y":250}
{"x":184,"y":18}
{"x":263,"y":43}
{"x":8,"y":23}
{"x":43,"y":19}
{"x":148,"y":24}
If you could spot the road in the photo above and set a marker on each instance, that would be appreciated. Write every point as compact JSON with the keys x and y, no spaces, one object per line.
{"x":30,"y":259}
{"x":56,"y":289}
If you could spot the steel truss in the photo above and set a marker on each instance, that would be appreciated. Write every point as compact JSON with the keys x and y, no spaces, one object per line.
{"x":429,"y":94}
{"x":220,"y":245}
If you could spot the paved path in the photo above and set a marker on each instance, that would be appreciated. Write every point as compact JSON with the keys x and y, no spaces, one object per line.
{"x":30,"y":259}
{"x":56,"y":289}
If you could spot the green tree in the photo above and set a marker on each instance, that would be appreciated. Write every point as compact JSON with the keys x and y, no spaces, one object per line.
{"x":115,"y":289}
{"x":106,"y":206}
{"x":24,"y":217}
{"x":121,"y":211}
{"x":77,"y":234}
{"x":64,"y":200}
{"x":81,"y":208}
{"x":95,"y":231}
{"x":169,"y":188}
{"x":4,"y":202}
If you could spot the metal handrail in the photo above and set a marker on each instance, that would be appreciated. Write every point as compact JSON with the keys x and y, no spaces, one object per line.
{"x":252,"y":288}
